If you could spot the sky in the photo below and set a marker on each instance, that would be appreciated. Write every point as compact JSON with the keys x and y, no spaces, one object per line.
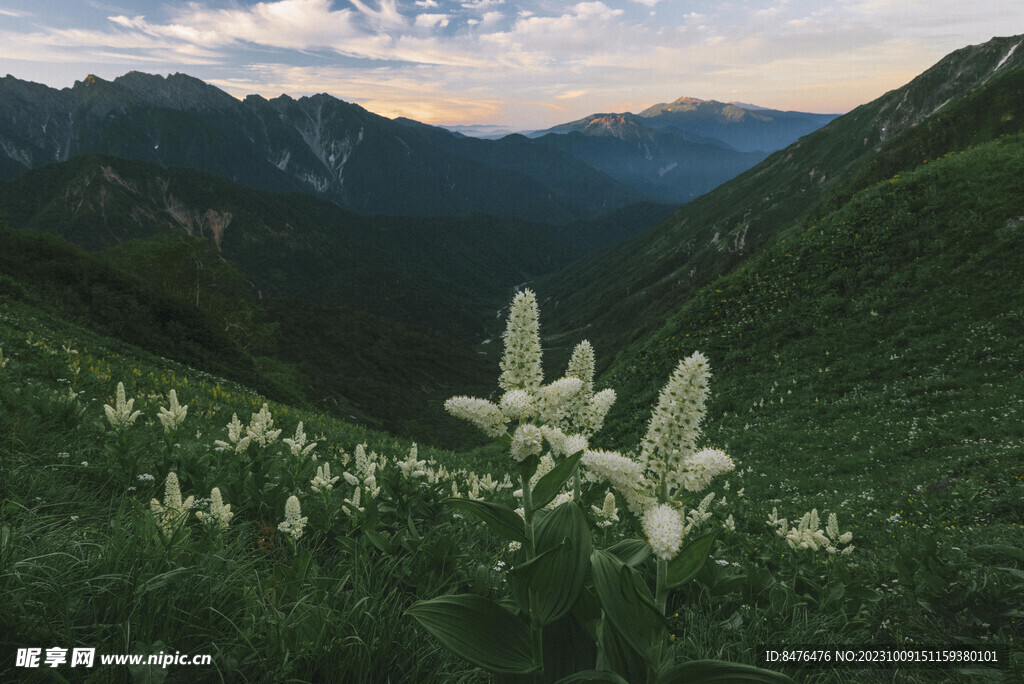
{"x":524,"y":64}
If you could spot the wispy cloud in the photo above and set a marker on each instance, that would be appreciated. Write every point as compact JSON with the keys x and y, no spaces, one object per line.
{"x":524,"y":60}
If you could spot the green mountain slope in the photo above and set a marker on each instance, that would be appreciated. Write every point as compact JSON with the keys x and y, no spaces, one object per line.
{"x":175,"y":298}
{"x":897,"y":314}
{"x":49,"y":274}
{"x":623,"y":294}
{"x":362,"y":308}
{"x":439,"y":273}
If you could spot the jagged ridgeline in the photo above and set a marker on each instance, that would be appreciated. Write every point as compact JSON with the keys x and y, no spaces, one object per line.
{"x":320,"y":145}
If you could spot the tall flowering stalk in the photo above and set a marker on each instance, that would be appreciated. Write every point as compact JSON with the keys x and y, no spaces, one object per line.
{"x":173,"y":511}
{"x":668,"y":467}
{"x":294,"y":522}
{"x":532,"y":418}
{"x":547,"y":428}
{"x":669,"y":464}
{"x":219,"y":515}
{"x":120,"y":415}
{"x":121,"y":418}
{"x":172,"y":416}
{"x":298,"y":445}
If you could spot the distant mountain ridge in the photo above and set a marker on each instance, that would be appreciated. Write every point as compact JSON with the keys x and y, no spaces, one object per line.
{"x":681,"y":150}
{"x":320,"y":145}
{"x":743,"y":127}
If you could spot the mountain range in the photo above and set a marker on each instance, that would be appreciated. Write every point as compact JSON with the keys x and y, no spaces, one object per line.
{"x":373,"y":165}
{"x":319,"y":145}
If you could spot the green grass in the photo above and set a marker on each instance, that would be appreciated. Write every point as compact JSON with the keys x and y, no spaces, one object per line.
{"x":83,"y":563}
{"x":868,"y":364}
{"x":918,"y":455}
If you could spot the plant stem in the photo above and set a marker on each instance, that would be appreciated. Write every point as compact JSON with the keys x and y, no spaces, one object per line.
{"x":531,"y":553}
{"x":660,"y":602}
{"x":661,"y":591}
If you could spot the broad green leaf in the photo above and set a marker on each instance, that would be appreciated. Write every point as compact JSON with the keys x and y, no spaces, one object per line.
{"x":479,"y":630}
{"x":1019,"y":574}
{"x":553,"y":579}
{"x":626,"y":601}
{"x":551,"y":484}
{"x":505,"y":522}
{"x":587,"y":611}
{"x":1002,"y":549}
{"x":632,"y":552}
{"x":593,"y":676}
{"x":558,"y":573}
{"x":834,"y":594}
{"x":719,"y":671}
{"x":864,"y":594}
{"x":618,"y":656}
{"x":690,"y":559}
{"x":566,"y":521}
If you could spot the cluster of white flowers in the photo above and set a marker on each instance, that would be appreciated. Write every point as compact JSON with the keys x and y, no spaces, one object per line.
{"x":323,"y":482}
{"x":294,"y":522}
{"x":552,"y":399}
{"x":120,"y":415}
{"x":664,"y":530}
{"x":412,"y":468}
{"x":608,"y":513}
{"x":562,"y":444}
{"x":353,"y":503}
{"x":174,"y":415}
{"x":219,"y":514}
{"x":480,"y":412}
{"x":808,"y":535}
{"x":259,"y":431}
{"x":674,"y":427}
{"x":517,"y":405}
{"x":298,"y":444}
{"x":237,"y":441}
{"x":584,"y":412}
{"x":698,"y":515}
{"x":528,"y":440}
{"x":700,"y":468}
{"x":562,"y":413}
{"x":668,"y":461}
{"x":488,"y":483}
{"x":365,"y":475}
{"x":520,"y":365}
{"x":625,"y":475}
{"x":173,"y":511}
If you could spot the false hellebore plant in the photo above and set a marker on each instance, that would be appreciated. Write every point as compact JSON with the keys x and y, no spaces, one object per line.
{"x":577,"y":613}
